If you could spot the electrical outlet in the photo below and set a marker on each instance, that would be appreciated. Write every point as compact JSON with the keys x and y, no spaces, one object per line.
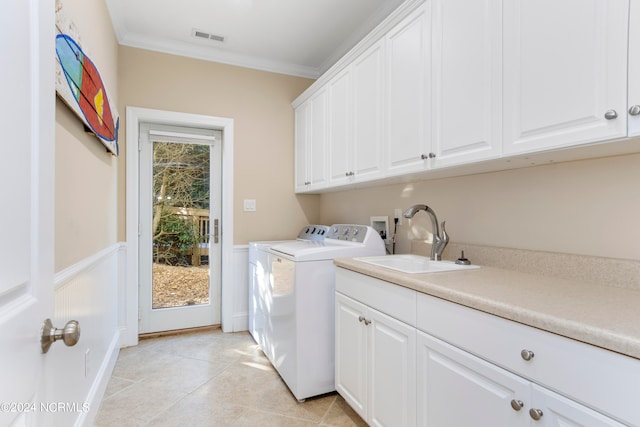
{"x":398,"y":214}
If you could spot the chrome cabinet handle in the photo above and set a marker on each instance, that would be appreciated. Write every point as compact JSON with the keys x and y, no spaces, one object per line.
{"x":428,"y":156}
{"x":536,"y":414}
{"x":527,"y":354}
{"x":634,"y":110}
{"x":610,"y":115}
{"x":361,"y":318}
{"x":70,"y":334}
{"x":517,"y":404}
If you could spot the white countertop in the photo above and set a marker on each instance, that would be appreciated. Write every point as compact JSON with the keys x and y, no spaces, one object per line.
{"x":603,"y":316}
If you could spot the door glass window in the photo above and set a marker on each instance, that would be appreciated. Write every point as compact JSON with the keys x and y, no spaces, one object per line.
{"x":180,"y":224}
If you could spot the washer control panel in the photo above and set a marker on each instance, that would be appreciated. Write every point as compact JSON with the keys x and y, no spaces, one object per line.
{"x":314,"y":232}
{"x":348,"y":232}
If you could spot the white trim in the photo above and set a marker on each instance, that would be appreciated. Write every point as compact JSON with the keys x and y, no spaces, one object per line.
{"x":135,"y":116}
{"x":240,"y":314}
{"x":155,"y":132}
{"x":62,"y":277}
{"x":99,"y":386}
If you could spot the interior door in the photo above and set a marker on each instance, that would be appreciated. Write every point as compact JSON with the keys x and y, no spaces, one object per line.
{"x":26,"y":173}
{"x":180,"y":205}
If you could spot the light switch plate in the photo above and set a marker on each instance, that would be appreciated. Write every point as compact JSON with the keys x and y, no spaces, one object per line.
{"x":249,"y":205}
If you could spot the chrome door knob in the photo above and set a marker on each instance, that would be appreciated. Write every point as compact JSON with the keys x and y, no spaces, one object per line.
{"x":517,"y":404}
{"x":527,"y":354}
{"x":634,"y":110}
{"x":70,"y":334}
{"x":536,"y":414}
{"x":610,"y":115}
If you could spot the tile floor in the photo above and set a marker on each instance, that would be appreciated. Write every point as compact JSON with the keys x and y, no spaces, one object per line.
{"x":208,"y":378}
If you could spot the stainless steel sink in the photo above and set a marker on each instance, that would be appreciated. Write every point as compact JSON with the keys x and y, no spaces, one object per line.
{"x":414,"y":263}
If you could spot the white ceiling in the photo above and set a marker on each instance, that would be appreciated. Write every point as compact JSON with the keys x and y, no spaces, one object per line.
{"x":297,"y":37}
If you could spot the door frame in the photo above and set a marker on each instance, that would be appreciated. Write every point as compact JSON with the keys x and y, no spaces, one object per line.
{"x":135,"y":116}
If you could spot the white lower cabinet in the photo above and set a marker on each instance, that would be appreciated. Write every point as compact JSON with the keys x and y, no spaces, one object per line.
{"x":405,"y":358}
{"x":375,"y":364}
{"x":456,"y":388}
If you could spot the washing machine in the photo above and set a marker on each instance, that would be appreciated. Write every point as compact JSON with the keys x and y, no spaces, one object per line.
{"x":259,"y":279}
{"x":300,"y":316}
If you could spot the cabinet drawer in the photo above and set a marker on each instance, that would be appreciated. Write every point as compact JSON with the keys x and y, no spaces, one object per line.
{"x":606,"y":381}
{"x":393,"y":300}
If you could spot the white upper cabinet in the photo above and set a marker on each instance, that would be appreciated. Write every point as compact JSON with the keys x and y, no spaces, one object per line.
{"x":340,"y":127}
{"x":311,"y":143}
{"x":565,"y":72}
{"x":355,"y":119}
{"x":454,"y":82}
{"x":467,"y":81}
{"x":408,"y":114}
{"x":633,"y":109}
{"x":368,"y":92}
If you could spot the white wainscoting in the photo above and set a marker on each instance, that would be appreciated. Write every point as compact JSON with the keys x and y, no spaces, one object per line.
{"x":86,"y":292}
{"x":240,"y":288}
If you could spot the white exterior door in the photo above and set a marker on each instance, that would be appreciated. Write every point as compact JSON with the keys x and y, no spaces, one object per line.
{"x":26,"y":173}
{"x":191,"y":307}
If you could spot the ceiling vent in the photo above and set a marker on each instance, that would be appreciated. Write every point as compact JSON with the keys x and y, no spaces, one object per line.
{"x":204,"y":35}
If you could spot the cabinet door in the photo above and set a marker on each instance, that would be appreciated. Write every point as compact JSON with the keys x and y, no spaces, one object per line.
{"x":392,"y":371}
{"x":351,"y":353}
{"x":302,"y":119}
{"x":408,"y":113}
{"x":565,"y":70}
{"x":634,"y":69}
{"x":456,"y":388}
{"x":311,"y":134}
{"x":368,"y":90}
{"x":558,"y":411}
{"x":317,"y":147}
{"x":340,"y":136}
{"x":467,"y":80}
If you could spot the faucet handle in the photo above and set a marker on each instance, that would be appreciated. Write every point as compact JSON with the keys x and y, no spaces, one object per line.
{"x":445,"y":236}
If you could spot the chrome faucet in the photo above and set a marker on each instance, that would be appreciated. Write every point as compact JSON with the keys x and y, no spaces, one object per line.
{"x":439,"y":240}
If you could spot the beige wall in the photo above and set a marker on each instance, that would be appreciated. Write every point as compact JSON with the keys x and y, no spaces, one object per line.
{"x":259,"y":103}
{"x":589,"y":207}
{"x":85,"y":174}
